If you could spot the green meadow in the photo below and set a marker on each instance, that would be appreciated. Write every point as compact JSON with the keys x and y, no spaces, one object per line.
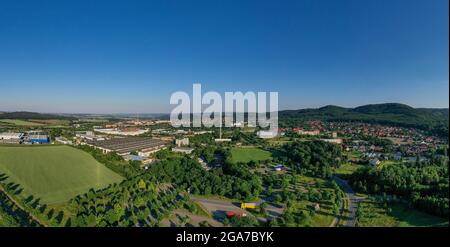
{"x":247,"y":154}
{"x":53,"y":173}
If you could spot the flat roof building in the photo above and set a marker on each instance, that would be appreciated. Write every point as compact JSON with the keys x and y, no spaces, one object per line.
{"x":38,"y":138}
{"x":128,"y":144}
{"x":185,"y":150}
{"x":9,"y":137}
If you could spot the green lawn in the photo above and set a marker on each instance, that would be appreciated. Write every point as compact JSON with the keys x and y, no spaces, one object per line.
{"x":347,"y":169}
{"x":20,"y":122}
{"x":54,"y":173}
{"x":397,"y":215}
{"x":247,"y":154}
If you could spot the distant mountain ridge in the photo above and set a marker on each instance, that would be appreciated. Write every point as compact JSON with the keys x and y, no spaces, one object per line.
{"x":431,"y":119}
{"x":24,"y":115}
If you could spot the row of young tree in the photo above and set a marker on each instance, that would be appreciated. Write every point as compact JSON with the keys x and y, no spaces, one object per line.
{"x":15,"y":215}
{"x":135,"y":202}
{"x":424,"y":185}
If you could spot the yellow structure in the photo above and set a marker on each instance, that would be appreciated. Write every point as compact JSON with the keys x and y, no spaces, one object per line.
{"x":248,"y":205}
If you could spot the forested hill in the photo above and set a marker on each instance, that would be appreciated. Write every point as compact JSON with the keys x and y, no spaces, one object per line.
{"x":436,"y":120}
{"x":30,"y":115}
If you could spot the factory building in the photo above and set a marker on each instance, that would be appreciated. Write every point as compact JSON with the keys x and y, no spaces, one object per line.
{"x":124,"y":146}
{"x":184,"y":150}
{"x":182,"y":142}
{"x":11,"y":138}
{"x":38,"y":139}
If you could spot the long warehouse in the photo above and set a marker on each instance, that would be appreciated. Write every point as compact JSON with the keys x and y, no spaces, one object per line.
{"x":129,"y":144}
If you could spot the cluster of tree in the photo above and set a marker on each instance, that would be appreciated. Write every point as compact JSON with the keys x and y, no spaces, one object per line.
{"x":314,"y":158}
{"x":8,"y":208}
{"x":424,"y":185}
{"x":200,"y":140}
{"x":188,"y":175}
{"x":113,"y":161}
{"x":212,"y":153}
{"x":139,"y":201}
{"x":15,"y":215}
{"x":246,"y":138}
{"x":285,"y":190}
{"x":297,"y":216}
{"x":238,"y":221}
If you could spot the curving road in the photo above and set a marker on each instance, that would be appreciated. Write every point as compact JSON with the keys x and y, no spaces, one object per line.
{"x":353,"y":201}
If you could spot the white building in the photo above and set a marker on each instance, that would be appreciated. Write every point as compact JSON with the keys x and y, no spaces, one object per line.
{"x":266,"y":134}
{"x":184,"y":150}
{"x":63,"y":140}
{"x":308,"y":132}
{"x":182,"y":142}
{"x":335,"y":141}
{"x":115,"y":131}
{"x":9,"y":137}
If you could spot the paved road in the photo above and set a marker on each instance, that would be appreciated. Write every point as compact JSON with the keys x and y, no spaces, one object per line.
{"x":217,"y":207}
{"x":353,"y":201}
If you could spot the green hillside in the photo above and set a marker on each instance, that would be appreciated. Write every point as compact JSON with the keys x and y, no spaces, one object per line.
{"x":435,"y":120}
{"x":31,"y":115}
{"x":54,"y":173}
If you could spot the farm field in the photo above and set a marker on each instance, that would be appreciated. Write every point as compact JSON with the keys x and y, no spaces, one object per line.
{"x":53,"y":173}
{"x":247,"y":154}
{"x":20,"y":122}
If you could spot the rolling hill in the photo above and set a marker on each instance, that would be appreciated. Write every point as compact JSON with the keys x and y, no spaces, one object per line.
{"x":53,"y":173}
{"x":23,"y":115}
{"x":435,"y":120}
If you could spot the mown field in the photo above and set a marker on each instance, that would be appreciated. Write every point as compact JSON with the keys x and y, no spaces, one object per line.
{"x":247,"y":154}
{"x":53,"y":173}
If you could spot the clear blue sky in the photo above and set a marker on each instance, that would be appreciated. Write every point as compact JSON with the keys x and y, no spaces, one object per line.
{"x":129,"y":56}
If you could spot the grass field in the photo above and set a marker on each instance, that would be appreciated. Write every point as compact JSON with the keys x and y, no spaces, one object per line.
{"x":347,"y":169}
{"x":373,"y":213}
{"x":54,"y":173}
{"x":247,"y":154}
{"x":20,"y":122}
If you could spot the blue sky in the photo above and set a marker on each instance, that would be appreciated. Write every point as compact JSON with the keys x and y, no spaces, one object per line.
{"x":129,"y":56}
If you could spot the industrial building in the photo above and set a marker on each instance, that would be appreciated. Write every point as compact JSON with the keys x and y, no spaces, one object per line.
{"x":63,"y":140}
{"x":11,"y":138}
{"x":185,"y":150}
{"x":124,"y":132}
{"x":124,"y":146}
{"x":182,"y":142}
{"x":38,"y":139}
